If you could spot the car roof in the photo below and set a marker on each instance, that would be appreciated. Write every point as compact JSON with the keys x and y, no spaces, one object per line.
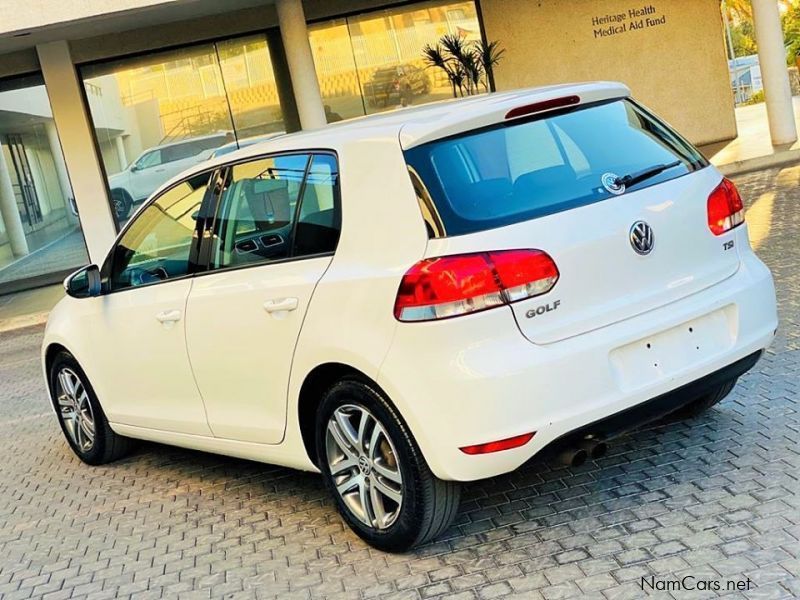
{"x":416,"y":125}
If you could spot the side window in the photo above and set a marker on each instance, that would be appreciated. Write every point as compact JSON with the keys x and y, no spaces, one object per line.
{"x":319,"y":222}
{"x":151,"y":159}
{"x":266,"y":211}
{"x":157,"y":244}
{"x":256,"y":214}
{"x":176,"y":152}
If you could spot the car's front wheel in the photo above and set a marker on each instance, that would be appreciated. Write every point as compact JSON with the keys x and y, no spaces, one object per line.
{"x":80,"y":415}
{"x":382,"y":485}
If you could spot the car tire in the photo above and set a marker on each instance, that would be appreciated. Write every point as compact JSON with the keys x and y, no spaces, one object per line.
{"x":382,"y":486}
{"x":121,"y":203}
{"x":703,"y":403}
{"x":80,"y":415}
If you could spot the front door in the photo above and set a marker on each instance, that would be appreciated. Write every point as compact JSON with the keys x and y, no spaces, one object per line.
{"x":139,"y":333}
{"x":148,"y":173}
{"x":276,"y":228}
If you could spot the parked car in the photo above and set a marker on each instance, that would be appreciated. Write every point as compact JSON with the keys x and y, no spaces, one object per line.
{"x":396,"y":85}
{"x":156,"y":165}
{"x":488,"y":279}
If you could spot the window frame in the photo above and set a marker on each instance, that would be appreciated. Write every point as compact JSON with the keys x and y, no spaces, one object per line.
{"x":200,"y":249}
{"x":200,"y":227}
{"x":206,"y":237}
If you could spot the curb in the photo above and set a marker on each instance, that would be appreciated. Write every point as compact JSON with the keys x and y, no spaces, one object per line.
{"x":23,"y":322}
{"x":760,"y":163}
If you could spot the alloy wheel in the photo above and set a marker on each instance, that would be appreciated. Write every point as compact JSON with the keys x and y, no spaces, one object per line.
{"x":75,"y":409}
{"x":364,"y":466}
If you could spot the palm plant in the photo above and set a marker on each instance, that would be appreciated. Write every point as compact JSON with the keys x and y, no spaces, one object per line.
{"x":466,"y":64}
{"x":434,"y":56}
{"x":489,"y":55}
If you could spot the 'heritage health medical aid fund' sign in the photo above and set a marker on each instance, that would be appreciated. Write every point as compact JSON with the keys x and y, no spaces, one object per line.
{"x":632,"y":19}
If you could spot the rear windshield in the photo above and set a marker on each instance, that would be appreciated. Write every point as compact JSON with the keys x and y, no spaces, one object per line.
{"x":516,"y":171}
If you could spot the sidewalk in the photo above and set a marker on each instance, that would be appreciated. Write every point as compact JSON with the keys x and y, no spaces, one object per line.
{"x":28,"y":308}
{"x":752,"y":149}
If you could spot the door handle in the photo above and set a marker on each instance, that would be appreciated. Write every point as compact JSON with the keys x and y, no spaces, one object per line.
{"x":169,"y":316}
{"x":281,"y":304}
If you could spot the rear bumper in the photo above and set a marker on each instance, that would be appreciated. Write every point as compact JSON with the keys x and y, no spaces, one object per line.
{"x":477,"y":379}
{"x":651,"y":410}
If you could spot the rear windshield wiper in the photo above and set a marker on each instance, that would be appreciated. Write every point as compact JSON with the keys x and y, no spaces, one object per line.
{"x":639,"y":176}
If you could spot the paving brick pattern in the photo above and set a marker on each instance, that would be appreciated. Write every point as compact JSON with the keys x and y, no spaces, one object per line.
{"x":716,"y":497}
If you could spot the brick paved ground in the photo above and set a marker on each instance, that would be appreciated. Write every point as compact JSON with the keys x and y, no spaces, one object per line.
{"x":717,"y":497}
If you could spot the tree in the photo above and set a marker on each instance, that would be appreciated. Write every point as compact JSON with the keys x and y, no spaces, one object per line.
{"x":467,"y":65}
{"x":738,"y":10}
{"x":791,"y":33}
{"x":743,"y":36}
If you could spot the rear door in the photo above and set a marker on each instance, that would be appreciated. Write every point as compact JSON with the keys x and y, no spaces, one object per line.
{"x":540,"y":184}
{"x":276,"y":228}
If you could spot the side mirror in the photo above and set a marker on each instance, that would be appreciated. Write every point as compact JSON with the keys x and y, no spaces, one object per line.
{"x":134,"y":167}
{"x":84,"y":283}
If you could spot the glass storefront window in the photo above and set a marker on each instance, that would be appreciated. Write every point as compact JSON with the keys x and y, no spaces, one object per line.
{"x":373,"y":62}
{"x":157,"y":115}
{"x":40,"y":236}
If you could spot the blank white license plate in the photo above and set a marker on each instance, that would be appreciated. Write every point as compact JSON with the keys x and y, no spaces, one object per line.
{"x":674,"y":350}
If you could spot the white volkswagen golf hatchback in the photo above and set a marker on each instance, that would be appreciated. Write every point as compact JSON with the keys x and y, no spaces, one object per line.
{"x":415,"y":299}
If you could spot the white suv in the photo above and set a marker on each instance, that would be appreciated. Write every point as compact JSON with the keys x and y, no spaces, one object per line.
{"x":154,"y":166}
{"x":410,"y":300}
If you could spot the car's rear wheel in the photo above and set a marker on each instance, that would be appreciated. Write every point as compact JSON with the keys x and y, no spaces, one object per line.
{"x":703,"y":403}
{"x":379,"y":479}
{"x":80,"y":415}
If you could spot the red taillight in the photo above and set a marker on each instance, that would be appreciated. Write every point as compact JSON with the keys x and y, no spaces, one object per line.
{"x":448,"y":286}
{"x":725,"y":208}
{"x":506,"y":444}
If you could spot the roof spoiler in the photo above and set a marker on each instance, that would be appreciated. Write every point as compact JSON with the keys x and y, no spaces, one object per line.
{"x":491,"y":109}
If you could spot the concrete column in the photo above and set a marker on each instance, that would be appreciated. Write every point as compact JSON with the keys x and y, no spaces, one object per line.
{"x":78,"y":143}
{"x":772,"y":58}
{"x":61,"y":168}
{"x":10,"y":211}
{"x":283,"y":81}
{"x":292,"y":22}
{"x":121,"y":156}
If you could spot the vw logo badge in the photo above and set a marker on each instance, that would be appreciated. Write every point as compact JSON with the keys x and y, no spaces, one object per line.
{"x":642,"y":238}
{"x":611,"y":182}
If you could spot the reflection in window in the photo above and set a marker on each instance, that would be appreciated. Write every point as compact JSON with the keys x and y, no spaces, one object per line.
{"x":156,"y":116}
{"x":157,"y":245}
{"x":40,"y":237}
{"x":319,"y":222}
{"x":373,"y":62}
{"x":256,"y":211}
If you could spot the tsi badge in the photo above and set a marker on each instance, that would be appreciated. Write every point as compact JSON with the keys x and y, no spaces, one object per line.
{"x":544,"y":308}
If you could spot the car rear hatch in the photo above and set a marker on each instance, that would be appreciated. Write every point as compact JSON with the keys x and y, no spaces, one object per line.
{"x":551,"y":181}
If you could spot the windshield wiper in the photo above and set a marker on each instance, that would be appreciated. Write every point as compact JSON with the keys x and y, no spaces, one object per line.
{"x":644,"y":174}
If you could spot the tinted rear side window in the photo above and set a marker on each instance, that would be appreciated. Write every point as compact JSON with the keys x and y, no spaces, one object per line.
{"x":517,"y":171}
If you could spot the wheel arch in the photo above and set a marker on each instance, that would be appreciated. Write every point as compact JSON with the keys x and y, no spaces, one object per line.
{"x":52,"y":350}
{"x":123,"y":191}
{"x":318,"y":381}
{"x":50,"y":354}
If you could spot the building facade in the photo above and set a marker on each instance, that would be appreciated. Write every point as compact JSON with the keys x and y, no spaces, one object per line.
{"x":102,"y":101}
